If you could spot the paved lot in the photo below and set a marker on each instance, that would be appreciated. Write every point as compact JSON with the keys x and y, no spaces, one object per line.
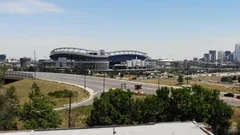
{"x":96,"y":84}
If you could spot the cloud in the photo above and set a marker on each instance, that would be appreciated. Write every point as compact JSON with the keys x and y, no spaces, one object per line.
{"x":28,"y":7}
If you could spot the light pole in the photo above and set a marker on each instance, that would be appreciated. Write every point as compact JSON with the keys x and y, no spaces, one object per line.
{"x":69,"y":109}
{"x":187,"y":74}
{"x":104,"y":82}
{"x":35,"y":67}
{"x":158,"y":80}
{"x":85,"y":81}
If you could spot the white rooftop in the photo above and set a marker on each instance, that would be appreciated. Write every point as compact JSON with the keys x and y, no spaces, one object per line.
{"x":181,"y":128}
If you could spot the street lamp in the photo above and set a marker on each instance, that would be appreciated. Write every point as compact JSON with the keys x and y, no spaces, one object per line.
{"x":35,"y":67}
{"x":69,"y":109}
{"x":158,"y":80}
{"x":85,"y":78}
{"x":104,"y":82}
{"x":85,"y":81}
{"x":187,"y":74}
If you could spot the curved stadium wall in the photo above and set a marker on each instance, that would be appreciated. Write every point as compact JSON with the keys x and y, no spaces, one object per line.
{"x":119,"y":57}
{"x":67,"y":57}
{"x":80,"y":58}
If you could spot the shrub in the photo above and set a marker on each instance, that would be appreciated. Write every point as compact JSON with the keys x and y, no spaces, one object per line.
{"x":188,"y":78}
{"x":227,"y":79}
{"x":180,"y":79}
{"x":62,"y":94}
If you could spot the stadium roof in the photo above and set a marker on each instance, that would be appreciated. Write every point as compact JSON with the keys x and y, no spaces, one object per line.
{"x":176,"y":128}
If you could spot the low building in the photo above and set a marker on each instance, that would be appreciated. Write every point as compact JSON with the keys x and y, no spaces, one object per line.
{"x":173,"y":128}
{"x":25,"y":63}
{"x":164,"y":63}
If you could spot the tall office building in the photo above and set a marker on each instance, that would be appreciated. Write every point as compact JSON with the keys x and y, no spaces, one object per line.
{"x":234,"y":56}
{"x":2,"y":57}
{"x":206,"y":57}
{"x":213,"y":57}
{"x":220,"y":57}
{"x":228,"y":53}
{"x":237,"y":50}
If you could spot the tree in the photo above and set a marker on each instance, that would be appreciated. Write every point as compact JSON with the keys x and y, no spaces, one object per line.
{"x":148,"y":113}
{"x":180,"y":79}
{"x":38,"y":113}
{"x":180,"y":105}
{"x":188,"y":78}
{"x":3,"y":70}
{"x":238,"y":128}
{"x":121,"y":75}
{"x":221,"y":113}
{"x":9,"y":106}
{"x":184,"y":104}
{"x":226,"y":79}
{"x":113,"y":107}
{"x":218,"y":112}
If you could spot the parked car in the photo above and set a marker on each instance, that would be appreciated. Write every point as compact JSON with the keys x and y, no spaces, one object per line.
{"x":229,"y":95}
{"x":134,"y":78}
{"x":238,"y":97}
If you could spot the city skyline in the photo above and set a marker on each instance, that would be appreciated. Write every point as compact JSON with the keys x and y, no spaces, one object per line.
{"x":163,"y":29}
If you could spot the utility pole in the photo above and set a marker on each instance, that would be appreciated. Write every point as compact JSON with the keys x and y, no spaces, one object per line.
{"x":114,"y":131}
{"x":35,"y":64}
{"x":158,"y":80}
{"x":69,"y":109}
{"x":85,"y":81}
{"x":187,"y":74}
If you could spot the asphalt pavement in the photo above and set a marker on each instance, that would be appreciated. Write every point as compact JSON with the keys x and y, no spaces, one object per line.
{"x":97,"y":85}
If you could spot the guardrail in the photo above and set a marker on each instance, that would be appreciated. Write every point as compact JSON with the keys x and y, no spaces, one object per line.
{"x":19,"y":75}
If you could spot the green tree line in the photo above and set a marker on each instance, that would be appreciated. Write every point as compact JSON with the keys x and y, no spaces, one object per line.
{"x":117,"y":107}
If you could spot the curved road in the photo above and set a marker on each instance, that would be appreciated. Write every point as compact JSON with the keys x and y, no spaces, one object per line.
{"x":96,"y":84}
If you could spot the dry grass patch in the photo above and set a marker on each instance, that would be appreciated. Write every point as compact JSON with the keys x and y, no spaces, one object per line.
{"x":79,"y":115}
{"x":23,"y":88}
{"x":138,"y":96}
{"x":236,"y":117}
{"x":222,"y":88}
{"x":208,"y":78}
{"x":195,"y":81}
{"x":163,"y":81}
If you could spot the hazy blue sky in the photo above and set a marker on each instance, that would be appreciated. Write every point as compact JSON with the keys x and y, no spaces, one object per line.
{"x":175,"y":29}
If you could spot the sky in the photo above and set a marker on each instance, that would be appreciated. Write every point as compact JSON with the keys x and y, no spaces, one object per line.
{"x":166,"y":29}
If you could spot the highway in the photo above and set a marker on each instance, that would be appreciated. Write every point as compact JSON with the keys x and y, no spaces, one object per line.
{"x":97,"y":84}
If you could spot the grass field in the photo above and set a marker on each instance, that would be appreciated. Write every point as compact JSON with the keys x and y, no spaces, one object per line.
{"x":236,"y":117}
{"x":136,"y":96}
{"x":23,"y":88}
{"x":204,"y":83}
{"x":79,"y":116}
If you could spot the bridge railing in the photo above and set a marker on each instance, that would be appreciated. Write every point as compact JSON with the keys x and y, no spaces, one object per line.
{"x":19,"y":74}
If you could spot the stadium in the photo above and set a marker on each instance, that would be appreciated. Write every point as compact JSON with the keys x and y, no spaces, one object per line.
{"x":127,"y":58}
{"x":70,"y":58}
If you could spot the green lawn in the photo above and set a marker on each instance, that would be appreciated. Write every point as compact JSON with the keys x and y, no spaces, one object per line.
{"x":23,"y":88}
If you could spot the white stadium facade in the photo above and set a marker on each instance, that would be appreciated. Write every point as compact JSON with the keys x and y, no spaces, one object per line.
{"x":69,"y":58}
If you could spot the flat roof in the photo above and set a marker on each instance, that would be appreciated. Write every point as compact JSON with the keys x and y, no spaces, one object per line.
{"x":176,"y":128}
